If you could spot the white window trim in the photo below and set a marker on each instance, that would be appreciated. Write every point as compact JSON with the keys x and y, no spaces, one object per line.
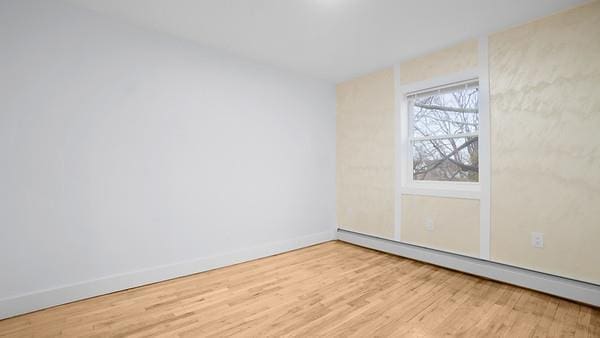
{"x":484,"y":150}
{"x":470,"y":190}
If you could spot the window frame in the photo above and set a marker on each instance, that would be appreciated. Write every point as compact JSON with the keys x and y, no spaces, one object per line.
{"x":408,"y":185}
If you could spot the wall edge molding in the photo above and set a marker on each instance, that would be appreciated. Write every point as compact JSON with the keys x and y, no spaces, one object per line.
{"x":578,"y":291}
{"x":42,"y":299}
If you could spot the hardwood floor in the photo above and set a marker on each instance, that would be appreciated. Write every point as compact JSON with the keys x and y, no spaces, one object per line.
{"x":332,"y":289}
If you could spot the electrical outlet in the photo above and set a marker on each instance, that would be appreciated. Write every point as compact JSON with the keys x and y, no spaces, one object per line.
{"x":537,"y":239}
{"x":429,"y":224}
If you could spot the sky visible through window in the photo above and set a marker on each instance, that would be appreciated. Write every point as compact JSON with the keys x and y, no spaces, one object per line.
{"x":444,"y":140}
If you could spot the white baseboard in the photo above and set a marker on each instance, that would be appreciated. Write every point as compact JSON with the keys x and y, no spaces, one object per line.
{"x":562,"y":287}
{"x":42,"y":299}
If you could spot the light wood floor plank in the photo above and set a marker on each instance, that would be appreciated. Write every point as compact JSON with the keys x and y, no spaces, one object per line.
{"x":332,"y":289}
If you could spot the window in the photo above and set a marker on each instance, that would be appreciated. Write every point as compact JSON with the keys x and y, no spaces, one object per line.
{"x":443,"y":133}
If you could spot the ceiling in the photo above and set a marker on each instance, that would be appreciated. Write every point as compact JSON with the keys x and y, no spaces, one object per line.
{"x":332,"y":40}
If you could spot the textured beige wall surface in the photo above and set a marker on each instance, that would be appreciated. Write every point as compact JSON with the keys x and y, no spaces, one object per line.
{"x":451,"y":60}
{"x":545,"y":114}
{"x":545,"y":119}
{"x":455,"y":223}
{"x":365,"y":154}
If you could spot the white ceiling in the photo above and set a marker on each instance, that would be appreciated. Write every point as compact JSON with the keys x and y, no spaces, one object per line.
{"x":328,"y":39}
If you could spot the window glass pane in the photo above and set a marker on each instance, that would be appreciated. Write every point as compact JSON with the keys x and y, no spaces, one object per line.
{"x":448,"y":111}
{"x":450,"y":159}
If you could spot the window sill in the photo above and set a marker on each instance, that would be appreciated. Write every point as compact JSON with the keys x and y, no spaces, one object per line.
{"x":462,"y":191}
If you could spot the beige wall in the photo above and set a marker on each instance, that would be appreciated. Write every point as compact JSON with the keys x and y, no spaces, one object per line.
{"x":447,"y":61}
{"x":455,"y":223}
{"x":365,"y":154}
{"x":545,"y":104}
{"x":366,"y":159}
{"x":545,"y":117}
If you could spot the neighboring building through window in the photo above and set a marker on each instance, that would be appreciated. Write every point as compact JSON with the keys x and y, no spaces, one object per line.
{"x":444,"y":133}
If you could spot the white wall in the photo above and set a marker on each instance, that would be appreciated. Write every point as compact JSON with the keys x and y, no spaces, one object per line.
{"x":127,"y":152}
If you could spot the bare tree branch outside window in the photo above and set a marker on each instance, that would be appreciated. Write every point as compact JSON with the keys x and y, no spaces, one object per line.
{"x":445,"y":134}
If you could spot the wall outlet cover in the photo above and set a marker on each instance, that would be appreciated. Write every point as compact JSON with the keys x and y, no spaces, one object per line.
{"x":429,"y":224}
{"x":537,"y":239}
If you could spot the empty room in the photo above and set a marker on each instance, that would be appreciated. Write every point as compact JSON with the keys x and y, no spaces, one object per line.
{"x":299,"y":168}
